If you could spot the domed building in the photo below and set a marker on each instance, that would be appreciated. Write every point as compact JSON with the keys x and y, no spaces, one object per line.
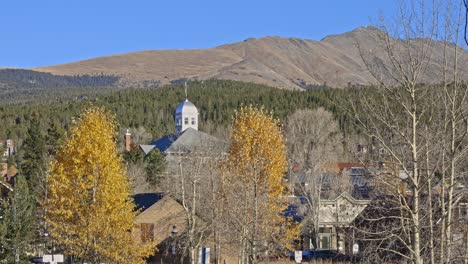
{"x":186,"y":137}
{"x":186,"y":116}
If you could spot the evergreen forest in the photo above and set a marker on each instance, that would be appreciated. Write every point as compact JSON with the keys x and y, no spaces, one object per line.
{"x":153,"y":108}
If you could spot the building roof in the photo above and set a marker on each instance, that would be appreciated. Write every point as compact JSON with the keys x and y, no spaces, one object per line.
{"x":190,"y":140}
{"x":144,"y":201}
{"x":348,"y":165}
{"x":328,"y":209}
{"x":146,"y":148}
{"x":163,"y":215}
{"x":346,"y":196}
{"x":186,"y":107}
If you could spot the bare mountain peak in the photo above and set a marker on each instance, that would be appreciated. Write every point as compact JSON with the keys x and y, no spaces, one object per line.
{"x":285,"y":62}
{"x":360,"y":32}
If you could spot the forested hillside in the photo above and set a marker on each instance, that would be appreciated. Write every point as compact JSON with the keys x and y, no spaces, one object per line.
{"x":19,"y":85}
{"x":19,"y":78}
{"x":153,"y":109}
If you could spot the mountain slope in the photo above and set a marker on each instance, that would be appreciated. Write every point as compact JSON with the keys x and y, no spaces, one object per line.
{"x":281,"y":62}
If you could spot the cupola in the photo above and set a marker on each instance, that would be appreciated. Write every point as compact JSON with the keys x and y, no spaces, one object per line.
{"x":186,"y":115}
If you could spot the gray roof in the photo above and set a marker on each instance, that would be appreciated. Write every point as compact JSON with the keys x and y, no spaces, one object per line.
{"x":190,"y":140}
{"x":146,"y":148}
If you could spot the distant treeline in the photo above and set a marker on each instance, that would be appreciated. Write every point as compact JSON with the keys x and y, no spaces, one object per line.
{"x":154,"y":109}
{"x":20,"y":78}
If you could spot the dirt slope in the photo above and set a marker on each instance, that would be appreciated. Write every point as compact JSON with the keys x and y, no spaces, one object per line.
{"x":281,"y":62}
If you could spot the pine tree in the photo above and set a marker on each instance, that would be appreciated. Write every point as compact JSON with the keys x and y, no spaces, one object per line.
{"x":155,"y":165}
{"x":52,"y":138}
{"x":256,"y":166}
{"x":89,"y":210}
{"x":34,"y":161}
{"x":18,"y":223}
{"x":134,"y":156}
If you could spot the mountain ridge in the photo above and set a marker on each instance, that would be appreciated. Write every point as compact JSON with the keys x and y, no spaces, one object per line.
{"x":289,"y":63}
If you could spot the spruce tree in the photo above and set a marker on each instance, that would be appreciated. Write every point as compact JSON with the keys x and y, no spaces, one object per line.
{"x":33,"y":165}
{"x":155,"y":165}
{"x":53,"y":138}
{"x":18,"y":223}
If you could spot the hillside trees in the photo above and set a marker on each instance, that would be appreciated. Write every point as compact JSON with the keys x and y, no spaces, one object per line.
{"x":253,"y":184}
{"x":22,"y":78}
{"x":89,"y":211}
{"x":153,"y":108}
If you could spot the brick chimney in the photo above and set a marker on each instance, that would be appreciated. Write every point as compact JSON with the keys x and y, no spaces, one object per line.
{"x":128,"y":141}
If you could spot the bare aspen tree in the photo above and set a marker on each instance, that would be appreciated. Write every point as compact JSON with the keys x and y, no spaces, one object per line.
{"x":454,"y":124}
{"x":421,"y":127}
{"x":395,"y":113}
{"x":192,"y":175}
{"x":314,"y":141}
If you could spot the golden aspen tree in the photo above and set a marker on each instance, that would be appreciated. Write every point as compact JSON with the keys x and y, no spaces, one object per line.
{"x":89,"y":211}
{"x":254,"y":184}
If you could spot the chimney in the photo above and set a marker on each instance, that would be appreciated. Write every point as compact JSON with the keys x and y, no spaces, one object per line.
{"x":128,"y":141}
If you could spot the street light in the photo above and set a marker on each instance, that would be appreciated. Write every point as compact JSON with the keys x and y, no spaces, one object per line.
{"x":173,"y":236}
{"x":46,"y":239}
{"x":174,"y":231}
{"x":52,"y":251}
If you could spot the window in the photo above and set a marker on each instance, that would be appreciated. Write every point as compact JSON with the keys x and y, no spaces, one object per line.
{"x":193,"y":121}
{"x":186,"y":120}
{"x":147,"y":232}
{"x":325,"y":241}
{"x":463,"y":211}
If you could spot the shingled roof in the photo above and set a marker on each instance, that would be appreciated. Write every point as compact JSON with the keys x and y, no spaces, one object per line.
{"x":144,"y":201}
{"x":188,"y":141}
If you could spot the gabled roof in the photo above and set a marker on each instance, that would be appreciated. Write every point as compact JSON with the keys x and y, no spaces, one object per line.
{"x":144,"y":201}
{"x":167,"y":141}
{"x":189,"y":140}
{"x":163,"y":215}
{"x":146,"y":148}
{"x":327,"y":214}
{"x":346,"y":196}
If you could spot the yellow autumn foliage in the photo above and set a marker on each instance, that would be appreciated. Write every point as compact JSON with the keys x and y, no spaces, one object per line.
{"x":258,"y":150}
{"x":256,"y":166}
{"x":89,"y":211}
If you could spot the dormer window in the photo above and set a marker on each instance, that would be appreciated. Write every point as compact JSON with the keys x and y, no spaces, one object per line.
{"x":186,"y":120}
{"x":193,"y":121}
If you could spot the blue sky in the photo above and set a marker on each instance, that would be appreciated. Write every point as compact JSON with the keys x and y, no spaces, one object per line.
{"x":35,"y":33}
